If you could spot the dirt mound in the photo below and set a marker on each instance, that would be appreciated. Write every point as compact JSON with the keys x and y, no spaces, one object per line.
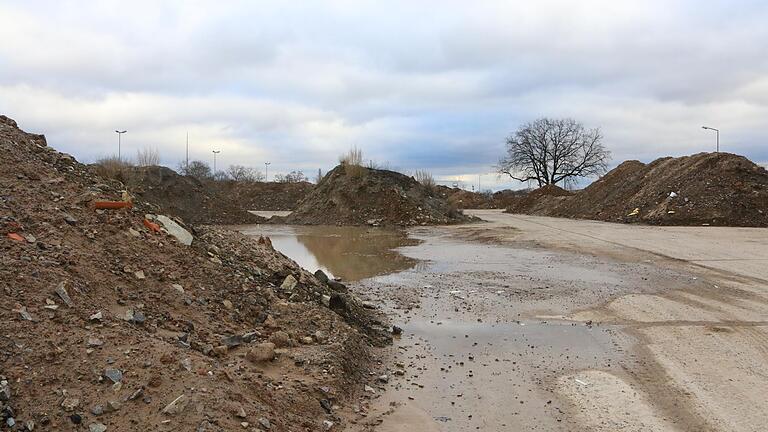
{"x":539,"y":201}
{"x":465,"y":199}
{"x":706,"y":188}
{"x":359,"y":196}
{"x":210,"y":202}
{"x":107,"y":320}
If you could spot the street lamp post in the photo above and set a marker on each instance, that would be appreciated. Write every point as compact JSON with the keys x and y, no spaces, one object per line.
{"x":119,"y":134}
{"x":266,"y":171}
{"x":717,"y":132}
{"x":215,"y":152}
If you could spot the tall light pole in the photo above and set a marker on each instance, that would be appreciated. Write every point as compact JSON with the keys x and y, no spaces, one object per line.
{"x":717,"y":132}
{"x":187,"y":166}
{"x":266,"y":171}
{"x":119,"y":134}
{"x":215,"y":152}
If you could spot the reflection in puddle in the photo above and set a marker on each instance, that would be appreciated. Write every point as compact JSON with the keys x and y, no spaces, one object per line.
{"x":349,"y":253}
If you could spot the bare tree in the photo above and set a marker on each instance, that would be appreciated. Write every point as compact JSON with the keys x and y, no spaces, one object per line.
{"x":291,"y":177}
{"x":197,"y":169}
{"x":241,"y":173}
{"x":551,"y":151}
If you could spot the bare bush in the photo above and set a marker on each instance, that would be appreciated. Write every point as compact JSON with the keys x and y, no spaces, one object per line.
{"x":291,"y":177}
{"x":197,"y":169}
{"x":148,"y":157}
{"x":240,"y":173}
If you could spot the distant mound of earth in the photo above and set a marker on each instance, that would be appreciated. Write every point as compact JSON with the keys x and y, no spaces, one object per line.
{"x":703,"y":189}
{"x":354,"y":195}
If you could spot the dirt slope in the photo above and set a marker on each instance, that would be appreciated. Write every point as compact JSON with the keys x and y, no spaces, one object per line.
{"x":105,"y":322}
{"x":705,"y":188}
{"x":539,"y":201}
{"x":371,"y":196}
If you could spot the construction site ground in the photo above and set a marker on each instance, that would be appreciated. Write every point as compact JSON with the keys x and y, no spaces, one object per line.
{"x":537,"y":323}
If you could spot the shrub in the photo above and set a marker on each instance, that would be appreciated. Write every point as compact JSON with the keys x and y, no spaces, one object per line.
{"x":148,"y":157}
{"x":353,"y":162}
{"x":114,"y":168}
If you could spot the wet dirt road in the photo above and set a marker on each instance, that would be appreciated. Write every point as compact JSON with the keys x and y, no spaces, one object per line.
{"x":526,"y":323}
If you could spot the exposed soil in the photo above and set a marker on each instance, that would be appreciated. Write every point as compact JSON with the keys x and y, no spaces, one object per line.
{"x":106,"y":322}
{"x":364,"y":196}
{"x":703,"y":189}
{"x":539,"y":201}
{"x":219,"y":202}
{"x":464,"y":199}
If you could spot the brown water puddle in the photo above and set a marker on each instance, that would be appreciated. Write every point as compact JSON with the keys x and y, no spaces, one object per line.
{"x":349,"y":253}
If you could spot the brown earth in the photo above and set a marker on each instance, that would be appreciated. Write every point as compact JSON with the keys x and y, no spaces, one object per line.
{"x":539,"y":201}
{"x":106,"y":322}
{"x":359,"y":196}
{"x":702,"y":189}
{"x":219,"y":202}
{"x":464,"y":199}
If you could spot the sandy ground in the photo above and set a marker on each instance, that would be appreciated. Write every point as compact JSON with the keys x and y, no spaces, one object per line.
{"x":532,"y":323}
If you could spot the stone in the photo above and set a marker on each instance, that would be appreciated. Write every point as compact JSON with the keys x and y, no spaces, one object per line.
{"x":94,"y":342}
{"x":68,"y":218}
{"x":177,"y":406}
{"x":96,"y":427}
{"x":76,"y":418}
{"x":139,"y":275}
{"x":265,"y":423}
{"x":369,"y":389}
{"x":22,"y":311}
{"x":178,"y":288}
{"x":327,"y":424}
{"x":70,"y":403}
{"x":174,"y":229}
{"x":281,"y":339}
{"x":228,"y":304}
{"x":397,"y":330}
{"x":262,"y":352}
{"x":98,"y":316}
{"x":11,"y":422}
{"x":5,"y":391}
{"x":113,"y":406}
{"x":133,"y":232}
{"x":321,"y":276}
{"x":97,"y":410}
{"x":369,"y":305}
{"x":383,"y":379}
{"x":241,"y":412}
{"x":114,"y":375}
{"x":289,"y":283}
{"x":337,"y":286}
{"x":307,"y":340}
{"x":135,"y":316}
{"x":63,"y":295}
{"x":321,"y":336}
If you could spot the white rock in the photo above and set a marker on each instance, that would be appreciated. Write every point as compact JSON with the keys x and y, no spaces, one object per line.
{"x":174,"y":229}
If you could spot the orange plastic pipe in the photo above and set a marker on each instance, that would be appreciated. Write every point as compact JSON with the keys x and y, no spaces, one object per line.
{"x":113,"y":204}
{"x":151,"y":225}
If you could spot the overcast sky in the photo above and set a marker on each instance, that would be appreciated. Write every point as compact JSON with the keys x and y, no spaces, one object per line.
{"x":433,"y":85}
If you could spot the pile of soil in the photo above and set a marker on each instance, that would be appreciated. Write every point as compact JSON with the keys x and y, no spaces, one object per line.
{"x":703,"y":189}
{"x":539,"y":201}
{"x":109,"y":324}
{"x":354,"y":195}
{"x":464,"y":199}
{"x":210,"y":202}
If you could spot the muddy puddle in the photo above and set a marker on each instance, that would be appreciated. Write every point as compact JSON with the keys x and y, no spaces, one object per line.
{"x":349,"y":253}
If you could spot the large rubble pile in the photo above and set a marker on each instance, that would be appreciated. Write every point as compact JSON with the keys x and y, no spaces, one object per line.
{"x":702,"y":189}
{"x":353,"y":195}
{"x":220,"y":202}
{"x":116,"y":319}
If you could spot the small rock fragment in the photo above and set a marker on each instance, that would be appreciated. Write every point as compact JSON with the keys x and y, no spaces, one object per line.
{"x":63,"y":295}
{"x":262,"y":352}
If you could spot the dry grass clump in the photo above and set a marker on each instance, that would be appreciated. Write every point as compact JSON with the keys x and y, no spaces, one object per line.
{"x":425,"y":178}
{"x":353,"y":162}
{"x":114,"y":168}
{"x":148,"y":157}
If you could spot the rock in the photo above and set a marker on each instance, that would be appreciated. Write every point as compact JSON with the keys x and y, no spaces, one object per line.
{"x":369,"y":389}
{"x":369,"y":305}
{"x":321,"y":276}
{"x":241,"y":412}
{"x":22,"y":311}
{"x":98,"y":316}
{"x":321,"y":336}
{"x":63,"y":295}
{"x":94,"y":342}
{"x":113,"y":406}
{"x":262,"y":352}
{"x":5,"y":391}
{"x":337,"y":286}
{"x":135,"y":316}
{"x":11,"y":422}
{"x":134,"y":233}
{"x":97,"y":410}
{"x":327,"y":425}
{"x":263,"y":422}
{"x":397,"y":330}
{"x":289,"y":283}
{"x":383,"y":379}
{"x":307,"y":340}
{"x":76,"y":418}
{"x":114,"y":375}
{"x":281,"y":339}
{"x":174,"y":229}
{"x":177,"y":406}
{"x":70,"y":403}
{"x":228,"y":304}
{"x":68,"y":218}
{"x":178,"y":288}
{"x":139,"y":274}
{"x":96,"y":427}
{"x":326,"y":300}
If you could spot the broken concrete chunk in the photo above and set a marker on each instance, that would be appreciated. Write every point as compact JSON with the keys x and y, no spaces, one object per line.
{"x":97,"y":427}
{"x":321,"y":276}
{"x":69,"y":404}
{"x":114,"y":375}
{"x":63,"y":295}
{"x":98,"y":316}
{"x":289,"y":283}
{"x":174,"y":229}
